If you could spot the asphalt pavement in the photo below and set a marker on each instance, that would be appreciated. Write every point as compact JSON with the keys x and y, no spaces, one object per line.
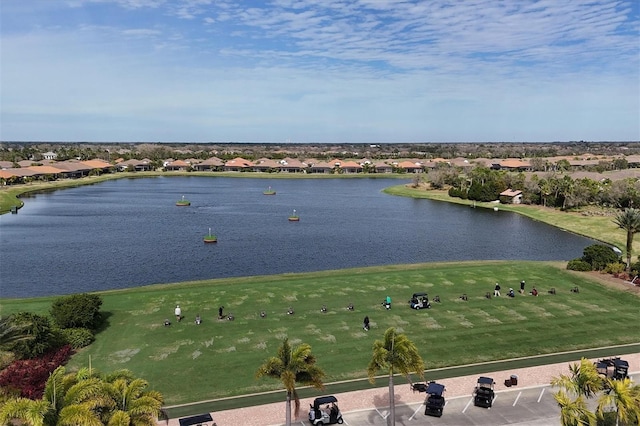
{"x":532,"y":406}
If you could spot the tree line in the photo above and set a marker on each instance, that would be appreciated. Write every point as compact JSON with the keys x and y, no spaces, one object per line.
{"x":551,"y":189}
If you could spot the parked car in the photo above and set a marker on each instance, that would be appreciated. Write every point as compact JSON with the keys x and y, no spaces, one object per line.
{"x":434,"y":403}
{"x":484,"y":392}
{"x":321,"y":413}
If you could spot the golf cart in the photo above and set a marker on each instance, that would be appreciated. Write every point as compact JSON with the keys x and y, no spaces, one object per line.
{"x":199,"y":420}
{"x":419,"y":301}
{"x":483,"y":394}
{"x":328,"y":415}
{"x":613,"y":368}
{"x":434,"y":403}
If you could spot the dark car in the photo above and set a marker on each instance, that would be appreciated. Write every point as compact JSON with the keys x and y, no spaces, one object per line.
{"x":321,"y":413}
{"x":434,"y":403}
{"x":484,"y":393}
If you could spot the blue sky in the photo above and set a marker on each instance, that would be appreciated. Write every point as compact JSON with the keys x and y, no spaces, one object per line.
{"x":333,"y":71}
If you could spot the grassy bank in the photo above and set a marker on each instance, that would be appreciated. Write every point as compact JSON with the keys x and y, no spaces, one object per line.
{"x":189,"y":362}
{"x":601,"y":228}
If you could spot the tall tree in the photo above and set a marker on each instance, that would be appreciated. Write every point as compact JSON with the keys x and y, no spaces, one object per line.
{"x":574,"y":412}
{"x":623,"y":398}
{"x":291,"y":366}
{"x":583,"y":379}
{"x":134,"y":405}
{"x":395,"y":353}
{"x":11,"y":331}
{"x":583,"y":382}
{"x":87,"y":399}
{"x":629,"y":220}
{"x":28,"y":411}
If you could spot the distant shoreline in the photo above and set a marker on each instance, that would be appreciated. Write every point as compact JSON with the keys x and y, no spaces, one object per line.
{"x":599,"y":227}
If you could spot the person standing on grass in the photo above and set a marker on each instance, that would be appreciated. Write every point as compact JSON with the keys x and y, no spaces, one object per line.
{"x":178,"y":313}
{"x":365,"y":325}
{"x":522,"y":287}
{"x":496,"y":290}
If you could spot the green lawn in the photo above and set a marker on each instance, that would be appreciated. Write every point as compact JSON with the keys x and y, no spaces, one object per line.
{"x":190,"y":363}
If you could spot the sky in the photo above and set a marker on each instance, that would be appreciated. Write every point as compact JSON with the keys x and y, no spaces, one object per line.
{"x":319,"y":71}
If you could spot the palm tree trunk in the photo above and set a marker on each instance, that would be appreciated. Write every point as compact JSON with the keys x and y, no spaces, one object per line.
{"x":629,"y":248}
{"x":288,"y":410}
{"x":391,"y":420}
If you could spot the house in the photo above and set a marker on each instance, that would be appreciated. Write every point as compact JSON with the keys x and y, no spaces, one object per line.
{"x":291,"y":165}
{"x":265,"y":165}
{"x":177,"y":165}
{"x":321,"y":167}
{"x":510,"y":196}
{"x":134,"y":165}
{"x":382,"y":167}
{"x":511,"y":164}
{"x":238,"y":164}
{"x":410,"y":166}
{"x":210,"y":164}
{"x":350,"y":167}
{"x":50,"y":155}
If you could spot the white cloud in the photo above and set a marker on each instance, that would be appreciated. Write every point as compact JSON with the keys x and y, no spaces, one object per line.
{"x":323,"y":70}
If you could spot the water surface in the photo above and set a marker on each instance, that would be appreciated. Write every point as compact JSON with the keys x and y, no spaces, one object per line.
{"x":129,"y":232}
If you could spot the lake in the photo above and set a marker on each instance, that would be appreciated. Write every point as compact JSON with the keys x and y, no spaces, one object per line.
{"x":129,"y":232}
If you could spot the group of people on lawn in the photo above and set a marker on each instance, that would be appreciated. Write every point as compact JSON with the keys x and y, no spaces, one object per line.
{"x":366,"y":323}
{"x":511,"y":293}
{"x":178,"y":313}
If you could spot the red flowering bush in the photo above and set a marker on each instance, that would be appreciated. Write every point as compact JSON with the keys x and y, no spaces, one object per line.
{"x":30,"y":375}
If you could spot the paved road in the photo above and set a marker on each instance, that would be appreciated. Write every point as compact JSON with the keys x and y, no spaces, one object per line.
{"x":533,"y":406}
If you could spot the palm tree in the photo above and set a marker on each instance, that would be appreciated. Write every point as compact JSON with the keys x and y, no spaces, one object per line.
{"x":574,"y":412}
{"x":395,"y":353}
{"x":583,"y":381}
{"x":293,"y":366}
{"x":622,"y":396}
{"x":133,"y":404}
{"x":629,"y":220}
{"x":11,"y":332}
{"x":87,"y":399}
{"x":28,"y":411}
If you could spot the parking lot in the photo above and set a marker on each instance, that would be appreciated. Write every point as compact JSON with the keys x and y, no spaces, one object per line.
{"x":530,"y":406}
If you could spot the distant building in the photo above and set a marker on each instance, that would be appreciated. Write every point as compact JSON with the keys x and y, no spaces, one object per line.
{"x":511,"y":197}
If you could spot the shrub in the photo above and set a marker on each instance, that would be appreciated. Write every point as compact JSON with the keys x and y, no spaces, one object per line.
{"x":578,"y":265}
{"x":78,"y":310}
{"x":40,"y":338}
{"x":599,"y":256}
{"x":456,"y":192}
{"x":30,"y":376}
{"x":615,"y":268}
{"x":78,"y":337}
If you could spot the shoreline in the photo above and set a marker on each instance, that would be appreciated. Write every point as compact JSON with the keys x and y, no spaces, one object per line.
{"x":598,"y":228}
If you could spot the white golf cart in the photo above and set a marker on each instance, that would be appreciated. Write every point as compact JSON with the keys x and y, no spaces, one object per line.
{"x":325,"y":411}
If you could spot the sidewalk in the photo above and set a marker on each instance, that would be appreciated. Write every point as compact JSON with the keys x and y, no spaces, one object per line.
{"x":274,"y":414}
